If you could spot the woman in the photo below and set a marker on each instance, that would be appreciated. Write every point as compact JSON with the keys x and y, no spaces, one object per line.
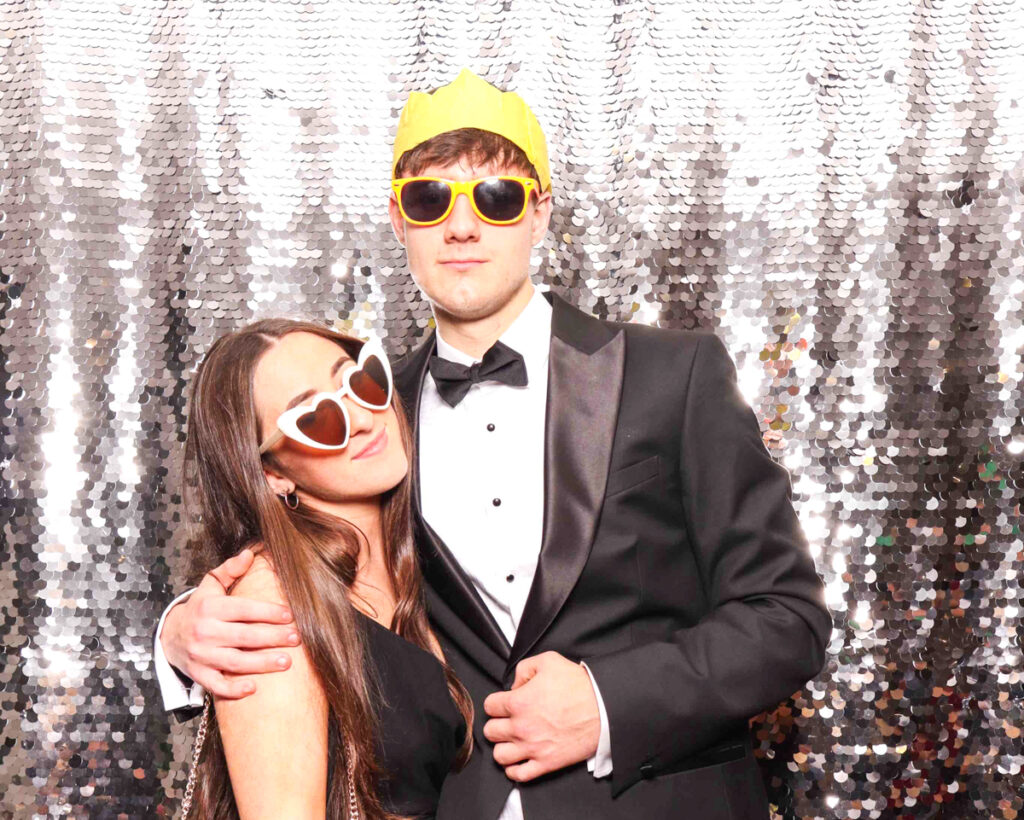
{"x":296,"y":449}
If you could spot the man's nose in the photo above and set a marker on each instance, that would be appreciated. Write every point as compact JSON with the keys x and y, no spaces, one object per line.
{"x":462,"y":223}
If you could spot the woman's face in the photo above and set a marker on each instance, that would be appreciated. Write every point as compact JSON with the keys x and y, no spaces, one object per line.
{"x":299,"y":365}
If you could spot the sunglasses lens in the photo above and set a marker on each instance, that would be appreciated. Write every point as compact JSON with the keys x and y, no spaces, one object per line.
{"x":325,"y":425}
{"x":370,"y":383}
{"x":425,"y":200}
{"x":501,"y":200}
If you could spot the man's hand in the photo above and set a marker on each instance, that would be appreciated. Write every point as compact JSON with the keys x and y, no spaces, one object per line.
{"x":213,"y":637}
{"x":547,"y":721}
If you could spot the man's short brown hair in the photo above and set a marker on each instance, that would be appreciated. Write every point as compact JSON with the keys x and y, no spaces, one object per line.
{"x":474,"y":144}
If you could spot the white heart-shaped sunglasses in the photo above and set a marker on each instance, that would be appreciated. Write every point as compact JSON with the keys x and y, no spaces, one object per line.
{"x":323,"y":422}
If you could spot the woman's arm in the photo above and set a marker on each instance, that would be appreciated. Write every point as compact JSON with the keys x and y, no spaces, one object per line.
{"x":275,"y":740}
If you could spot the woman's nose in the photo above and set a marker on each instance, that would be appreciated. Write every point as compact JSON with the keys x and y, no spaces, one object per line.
{"x":360,"y":418}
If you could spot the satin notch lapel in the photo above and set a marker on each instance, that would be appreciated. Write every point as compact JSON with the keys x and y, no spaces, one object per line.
{"x":582,"y":409}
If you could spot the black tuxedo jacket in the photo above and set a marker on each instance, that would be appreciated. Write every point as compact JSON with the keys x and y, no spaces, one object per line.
{"x":672,"y":562}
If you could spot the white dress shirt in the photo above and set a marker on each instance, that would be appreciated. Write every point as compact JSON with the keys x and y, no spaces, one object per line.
{"x":482,"y":491}
{"x":482,"y":485}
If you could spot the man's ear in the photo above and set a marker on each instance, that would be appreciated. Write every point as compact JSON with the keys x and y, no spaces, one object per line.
{"x":397,"y":223}
{"x":541,"y":218}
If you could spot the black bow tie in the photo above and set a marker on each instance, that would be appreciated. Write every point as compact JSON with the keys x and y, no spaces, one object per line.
{"x":499,"y":364}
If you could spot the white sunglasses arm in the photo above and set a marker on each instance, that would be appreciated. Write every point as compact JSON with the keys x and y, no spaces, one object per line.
{"x":275,"y":437}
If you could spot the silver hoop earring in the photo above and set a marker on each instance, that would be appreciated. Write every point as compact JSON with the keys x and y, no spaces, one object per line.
{"x":291,"y":500}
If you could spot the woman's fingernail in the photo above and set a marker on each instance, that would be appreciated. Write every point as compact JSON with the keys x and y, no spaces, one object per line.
{"x":286,"y":615}
{"x":282,"y":661}
{"x":293,"y":638}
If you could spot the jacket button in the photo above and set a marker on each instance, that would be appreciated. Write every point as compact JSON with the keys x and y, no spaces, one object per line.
{"x":647,"y":771}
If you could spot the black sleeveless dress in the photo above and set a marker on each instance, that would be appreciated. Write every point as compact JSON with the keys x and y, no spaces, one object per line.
{"x":420,"y":729}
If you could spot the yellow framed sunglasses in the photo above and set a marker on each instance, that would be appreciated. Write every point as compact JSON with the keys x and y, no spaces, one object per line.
{"x":496,"y":200}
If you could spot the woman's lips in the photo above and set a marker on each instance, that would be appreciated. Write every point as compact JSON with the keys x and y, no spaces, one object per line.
{"x":375,"y":446}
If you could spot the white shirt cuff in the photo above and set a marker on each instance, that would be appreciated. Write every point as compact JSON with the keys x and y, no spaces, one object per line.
{"x":176,"y":695}
{"x":601,"y":763}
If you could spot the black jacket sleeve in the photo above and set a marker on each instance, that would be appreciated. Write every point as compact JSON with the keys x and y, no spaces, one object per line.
{"x":767,"y":626}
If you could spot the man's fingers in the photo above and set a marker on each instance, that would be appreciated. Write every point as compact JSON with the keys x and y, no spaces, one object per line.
{"x":525,"y":670}
{"x":524,"y":772}
{"x":498,"y":730}
{"x":237,"y":662}
{"x":221,"y":686}
{"x":497,"y":704}
{"x":233,"y":569}
{"x":506,"y":754}
{"x":254,"y":636}
{"x":231,"y":608}
{"x":207,"y":668}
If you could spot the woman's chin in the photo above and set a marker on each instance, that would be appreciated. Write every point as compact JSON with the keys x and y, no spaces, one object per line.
{"x":366,"y":480}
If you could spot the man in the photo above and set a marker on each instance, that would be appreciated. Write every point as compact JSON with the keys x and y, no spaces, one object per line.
{"x":613,"y":562}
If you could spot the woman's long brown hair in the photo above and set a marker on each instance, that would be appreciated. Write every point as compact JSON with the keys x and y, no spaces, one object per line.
{"x":229,"y":506}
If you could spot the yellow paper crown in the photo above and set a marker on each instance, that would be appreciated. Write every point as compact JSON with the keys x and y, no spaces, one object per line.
{"x":471,"y":102}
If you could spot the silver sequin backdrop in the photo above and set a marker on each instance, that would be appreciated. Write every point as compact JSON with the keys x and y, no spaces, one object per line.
{"x":835,"y":188}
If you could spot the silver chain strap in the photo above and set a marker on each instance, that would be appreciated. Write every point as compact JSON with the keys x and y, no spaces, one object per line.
{"x":186,"y":803}
{"x":350,"y":766}
{"x":204,"y":722}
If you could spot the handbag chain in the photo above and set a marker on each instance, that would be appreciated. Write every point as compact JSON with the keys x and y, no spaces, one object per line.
{"x":190,"y":787}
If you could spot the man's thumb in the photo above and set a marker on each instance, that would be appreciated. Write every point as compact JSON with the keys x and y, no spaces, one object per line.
{"x":231,"y":570}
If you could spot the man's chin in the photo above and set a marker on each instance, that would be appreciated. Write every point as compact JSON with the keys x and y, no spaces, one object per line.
{"x":469,"y":305}
{"x":466,"y":312}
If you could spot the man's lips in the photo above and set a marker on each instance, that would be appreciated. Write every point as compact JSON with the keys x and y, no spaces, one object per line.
{"x":376,"y":446}
{"x":462,"y":263}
